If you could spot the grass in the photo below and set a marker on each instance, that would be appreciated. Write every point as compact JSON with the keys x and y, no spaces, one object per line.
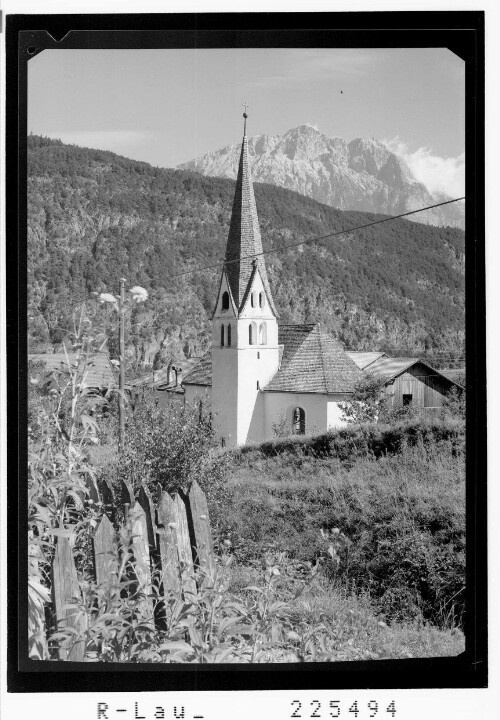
{"x":351,"y":625}
{"x":378,"y":512}
{"x":393,"y":526}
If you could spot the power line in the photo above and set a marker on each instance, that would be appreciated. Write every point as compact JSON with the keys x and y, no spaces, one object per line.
{"x":317,"y":239}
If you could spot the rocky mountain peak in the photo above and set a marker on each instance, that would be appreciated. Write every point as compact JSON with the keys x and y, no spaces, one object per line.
{"x":360,"y":175}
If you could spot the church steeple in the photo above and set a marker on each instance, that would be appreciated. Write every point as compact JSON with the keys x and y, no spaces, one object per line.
{"x":244,"y":244}
{"x":245,"y":350}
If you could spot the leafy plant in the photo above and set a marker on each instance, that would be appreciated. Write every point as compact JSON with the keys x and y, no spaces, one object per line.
{"x":367,"y":402}
{"x":61,"y":476}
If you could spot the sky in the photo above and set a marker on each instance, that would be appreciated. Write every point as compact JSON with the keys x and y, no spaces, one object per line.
{"x":169,"y":106}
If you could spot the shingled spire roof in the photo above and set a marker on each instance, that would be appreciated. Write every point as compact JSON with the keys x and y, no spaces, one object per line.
{"x":244,"y":241}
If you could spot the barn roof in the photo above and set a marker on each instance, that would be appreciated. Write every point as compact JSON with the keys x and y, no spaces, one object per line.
{"x":100,"y":372}
{"x":313,"y":362}
{"x":387,"y":368}
{"x":363,"y":359}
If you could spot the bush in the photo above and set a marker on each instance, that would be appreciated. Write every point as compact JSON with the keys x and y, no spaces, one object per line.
{"x":454,"y":403}
{"x":356,"y":441}
{"x":367,"y":402}
{"x":166,"y":447}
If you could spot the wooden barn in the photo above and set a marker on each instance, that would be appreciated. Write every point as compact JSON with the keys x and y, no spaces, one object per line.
{"x":410,"y":381}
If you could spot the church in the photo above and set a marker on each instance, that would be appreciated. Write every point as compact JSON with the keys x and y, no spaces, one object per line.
{"x":260,"y":375}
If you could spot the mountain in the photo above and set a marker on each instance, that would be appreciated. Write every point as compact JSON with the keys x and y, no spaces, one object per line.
{"x":94,"y":217}
{"x":360,"y":175}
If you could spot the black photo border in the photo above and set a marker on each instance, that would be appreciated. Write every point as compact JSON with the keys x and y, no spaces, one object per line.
{"x":461,"y":32}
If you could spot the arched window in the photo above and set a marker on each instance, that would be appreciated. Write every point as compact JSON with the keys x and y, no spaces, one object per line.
{"x":262,"y":300}
{"x":222,"y":335}
{"x":299,"y":421}
{"x":229,"y":335}
{"x":252,"y":299}
{"x":225,"y":300}
{"x":263,"y":334}
{"x":252,"y":334}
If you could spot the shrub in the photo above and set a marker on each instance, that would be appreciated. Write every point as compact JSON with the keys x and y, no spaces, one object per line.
{"x":367,"y":402}
{"x":166,"y":447}
{"x":360,"y":440}
{"x":454,"y":403}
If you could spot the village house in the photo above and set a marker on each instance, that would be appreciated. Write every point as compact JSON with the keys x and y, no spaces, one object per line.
{"x":99,"y":373}
{"x":167,"y":381}
{"x":259,"y":375}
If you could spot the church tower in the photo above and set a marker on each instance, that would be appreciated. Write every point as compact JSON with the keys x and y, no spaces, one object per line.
{"x":245,"y":352}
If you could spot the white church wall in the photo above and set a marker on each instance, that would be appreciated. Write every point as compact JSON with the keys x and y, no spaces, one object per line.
{"x":278,"y":405}
{"x":256,"y":367}
{"x":224,"y":393}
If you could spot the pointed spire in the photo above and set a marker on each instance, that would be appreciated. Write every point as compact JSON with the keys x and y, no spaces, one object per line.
{"x":244,"y":243}
{"x":246,"y":106}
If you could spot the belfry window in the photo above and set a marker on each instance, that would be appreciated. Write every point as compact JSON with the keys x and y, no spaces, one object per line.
{"x":225,"y":300}
{"x":222,"y":335}
{"x":252,"y":299}
{"x":262,"y":300}
{"x":229,"y":335}
{"x":298,"y":421}
{"x":263,"y":334}
{"x":252,"y":334}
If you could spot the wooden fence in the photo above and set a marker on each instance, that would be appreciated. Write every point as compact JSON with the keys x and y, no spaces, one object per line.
{"x":173,"y":540}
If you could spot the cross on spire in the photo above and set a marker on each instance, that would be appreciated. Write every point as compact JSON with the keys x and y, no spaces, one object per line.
{"x":245,"y":115}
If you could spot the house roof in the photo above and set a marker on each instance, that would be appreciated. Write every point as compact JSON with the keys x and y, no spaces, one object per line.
{"x":201,"y":374}
{"x":387,"y":368}
{"x":99,"y":372}
{"x":362,"y":358}
{"x":152,"y":380}
{"x":159,"y":380}
{"x":244,"y":244}
{"x":313,"y":362}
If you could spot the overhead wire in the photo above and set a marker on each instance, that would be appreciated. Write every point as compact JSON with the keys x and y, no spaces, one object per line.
{"x":316,"y":239}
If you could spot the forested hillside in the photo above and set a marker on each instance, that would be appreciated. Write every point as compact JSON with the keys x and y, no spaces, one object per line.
{"x":94,"y":217}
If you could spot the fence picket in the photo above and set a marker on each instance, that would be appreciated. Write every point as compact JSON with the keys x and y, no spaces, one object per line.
{"x":145,"y":501}
{"x":184,"y":551}
{"x":105,"y":551}
{"x":66,"y":591}
{"x":175,"y":537}
{"x":167,"y":545}
{"x":203,"y":545}
{"x":140,"y":550}
{"x":126,"y":492}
